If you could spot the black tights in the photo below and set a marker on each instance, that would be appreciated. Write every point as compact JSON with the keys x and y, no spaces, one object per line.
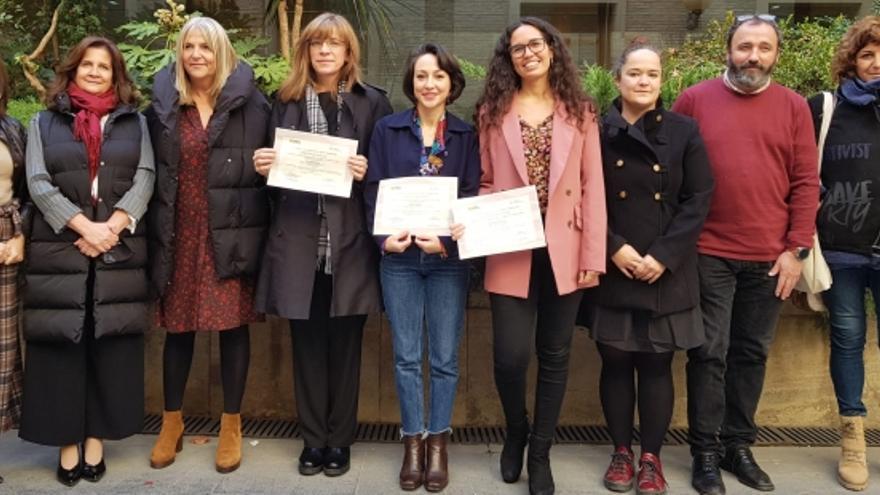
{"x":617,"y":390}
{"x":235,"y":353}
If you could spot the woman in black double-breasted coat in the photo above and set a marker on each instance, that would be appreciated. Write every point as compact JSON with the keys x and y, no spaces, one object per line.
{"x":320,"y":268}
{"x":658,"y":185}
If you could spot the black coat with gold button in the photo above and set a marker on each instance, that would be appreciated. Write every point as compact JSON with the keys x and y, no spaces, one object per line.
{"x":658,"y":184}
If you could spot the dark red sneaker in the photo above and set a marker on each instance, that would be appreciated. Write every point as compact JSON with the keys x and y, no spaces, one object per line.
{"x":620,"y":473}
{"x":651,"y":480}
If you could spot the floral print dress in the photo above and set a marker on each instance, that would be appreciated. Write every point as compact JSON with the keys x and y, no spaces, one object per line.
{"x":197,"y":299}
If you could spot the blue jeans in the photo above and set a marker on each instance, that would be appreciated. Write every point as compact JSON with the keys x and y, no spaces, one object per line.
{"x":419,"y":291}
{"x":846,"y":305}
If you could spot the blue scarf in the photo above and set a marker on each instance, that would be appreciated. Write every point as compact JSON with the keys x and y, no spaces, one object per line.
{"x":858,"y":92}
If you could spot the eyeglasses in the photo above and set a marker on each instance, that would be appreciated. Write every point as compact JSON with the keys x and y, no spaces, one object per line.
{"x":332,"y":43}
{"x":769,"y":18}
{"x":536,"y":45}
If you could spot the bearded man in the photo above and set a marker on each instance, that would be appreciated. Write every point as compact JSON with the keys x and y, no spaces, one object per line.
{"x":759,"y":136}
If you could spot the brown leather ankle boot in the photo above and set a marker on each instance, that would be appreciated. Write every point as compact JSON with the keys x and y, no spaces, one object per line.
{"x":229,"y":444}
{"x":412,"y":472}
{"x":170,"y":440}
{"x":437,"y":463}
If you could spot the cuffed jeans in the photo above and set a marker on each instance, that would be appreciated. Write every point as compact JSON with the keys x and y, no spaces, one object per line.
{"x":725,"y":376}
{"x":419,"y":291}
{"x":846,"y":307}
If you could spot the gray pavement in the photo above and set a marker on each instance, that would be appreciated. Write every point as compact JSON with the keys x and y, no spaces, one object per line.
{"x":269,"y":467}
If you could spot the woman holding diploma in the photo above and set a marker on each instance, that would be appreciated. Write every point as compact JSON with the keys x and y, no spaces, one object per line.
{"x":423,"y":280}
{"x":320,"y":268}
{"x":208,"y":222}
{"x":659,"y":183}
{"x":538,"y":127}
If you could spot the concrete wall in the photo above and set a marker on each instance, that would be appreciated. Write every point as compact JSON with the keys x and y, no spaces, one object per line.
{"x":797,"y":392}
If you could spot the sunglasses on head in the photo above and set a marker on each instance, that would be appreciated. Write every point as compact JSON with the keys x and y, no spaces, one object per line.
{"x":740,"y":19}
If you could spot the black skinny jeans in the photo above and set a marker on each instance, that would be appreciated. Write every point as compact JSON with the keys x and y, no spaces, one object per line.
{"x":548,"y":319}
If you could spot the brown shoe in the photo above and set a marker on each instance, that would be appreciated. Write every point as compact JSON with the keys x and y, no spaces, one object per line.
{"x":170,"y":440}
{"x":437,"y":464}
{"x":412,"y":472}
{"x":229,"y":444}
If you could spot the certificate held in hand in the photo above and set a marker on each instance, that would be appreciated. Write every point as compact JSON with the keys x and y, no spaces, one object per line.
{"x":312,"y":163}
{"x":420,"y":205}
{"x":501,"y":222}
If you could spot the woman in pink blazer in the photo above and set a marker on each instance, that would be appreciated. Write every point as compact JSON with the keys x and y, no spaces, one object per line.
{"x":537,"y":127}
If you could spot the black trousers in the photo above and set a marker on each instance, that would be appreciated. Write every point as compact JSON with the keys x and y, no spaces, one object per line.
{"x":725,"y":376}
{"x":547,"y":319}
{"x":90,"y":389}
{"x":326,"y":370}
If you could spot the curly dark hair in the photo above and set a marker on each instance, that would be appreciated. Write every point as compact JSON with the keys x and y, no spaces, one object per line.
{"x":858,"y":36}
{"x":502,"y":81}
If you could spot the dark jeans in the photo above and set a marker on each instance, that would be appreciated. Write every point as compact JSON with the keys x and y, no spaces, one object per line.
{"x":326,"y":370}
{"x":547,"y":319}
{"x":725,"y":375}
{"x":846,"y":307}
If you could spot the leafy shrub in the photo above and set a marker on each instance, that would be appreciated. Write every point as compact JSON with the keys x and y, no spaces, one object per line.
{"x":598,"y":82}
{"x":24,"y":109}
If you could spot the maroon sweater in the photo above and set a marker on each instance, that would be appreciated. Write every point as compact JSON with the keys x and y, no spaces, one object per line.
{"x":763,"y":155}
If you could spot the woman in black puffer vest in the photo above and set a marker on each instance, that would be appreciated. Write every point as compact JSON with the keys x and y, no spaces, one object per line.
{"x":208,"y":221}
{"x":90,"y":172}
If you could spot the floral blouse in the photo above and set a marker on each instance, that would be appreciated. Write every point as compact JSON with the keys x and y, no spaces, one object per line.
{"x":536,"y":146}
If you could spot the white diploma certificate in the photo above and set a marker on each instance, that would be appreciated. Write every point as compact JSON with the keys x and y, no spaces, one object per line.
{"x":312,"y":162}
{"x":421,"y":205}
{"x":501,"y":222}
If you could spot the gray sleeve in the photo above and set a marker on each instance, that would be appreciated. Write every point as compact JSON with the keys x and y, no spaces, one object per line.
{"x":57,"y":210}
{"x":135,"y":201}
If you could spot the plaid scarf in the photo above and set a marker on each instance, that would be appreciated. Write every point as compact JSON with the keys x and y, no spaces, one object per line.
{"x":318,"y":125}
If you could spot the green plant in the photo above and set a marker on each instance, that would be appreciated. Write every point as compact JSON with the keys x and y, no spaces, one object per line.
{"x":472,"y":70}
{"x":24,"y":109}
{"x":598,"y":82}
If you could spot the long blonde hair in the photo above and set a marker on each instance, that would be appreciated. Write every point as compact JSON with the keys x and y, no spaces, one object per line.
{"x":325,"y":26}
{"x":224,"y":57}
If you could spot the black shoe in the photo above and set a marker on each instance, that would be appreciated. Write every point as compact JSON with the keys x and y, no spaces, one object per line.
{"x":515,"y":440}
{"x":70,"y":477}
{"x":740,"y":462}
{"x":538,"y":466}
{"x":94,"y":473}
{"x":705,"y":475}
{"x":337,"y":460}
{"x":311,"y":461}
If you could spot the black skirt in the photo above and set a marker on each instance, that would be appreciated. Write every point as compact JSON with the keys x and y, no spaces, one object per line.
{"x":90,"y":389}
{"x":637,"y":331}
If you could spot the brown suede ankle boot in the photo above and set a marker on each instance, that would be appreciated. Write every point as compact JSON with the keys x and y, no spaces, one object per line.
{"x":437,"y":462}
{"x":229,"y":444}
{"x":852,"y":469}
{"x":412,"y":472}
{"x":170,"y":440}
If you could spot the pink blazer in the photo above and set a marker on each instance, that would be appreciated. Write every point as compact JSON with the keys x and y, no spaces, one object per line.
{"x":575,"y":222}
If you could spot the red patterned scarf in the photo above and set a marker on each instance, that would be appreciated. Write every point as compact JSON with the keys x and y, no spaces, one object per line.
{"x":87,"y":124}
